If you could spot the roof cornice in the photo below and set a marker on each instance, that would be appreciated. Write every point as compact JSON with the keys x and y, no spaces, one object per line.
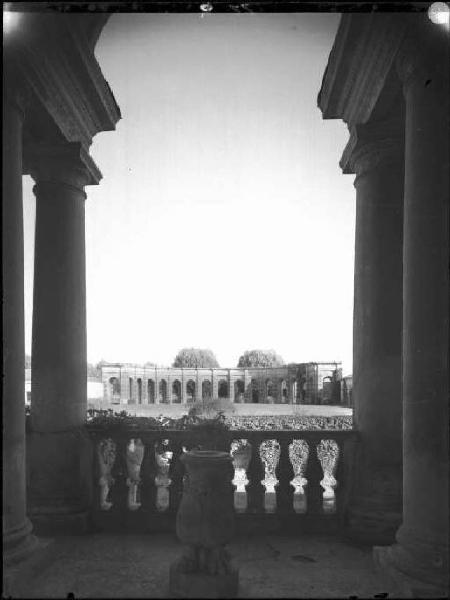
{"x":359,"y":64}
{"x":55,"y":56}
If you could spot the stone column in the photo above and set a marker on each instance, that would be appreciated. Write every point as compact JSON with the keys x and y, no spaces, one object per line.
{"x":183,"y":388}
{"x":60,"y":450}
{"x":17,"y":541}
{"x":247,"y":386}
{"x":230,"y":387}
{"x":169,"y":389}
{"x":123,"y":387}
{"x":421,"y":552}
{"x":130,"y":389}
{"x":214,"y":385}
{"x":375,"y":508}
{"x":144,"y":387}
{"x":156,"y":387}
{"x":198,"y":389}
{"x":59,"y":303}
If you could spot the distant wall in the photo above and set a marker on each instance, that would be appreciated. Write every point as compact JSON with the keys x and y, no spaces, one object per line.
{"x":295,"y":383}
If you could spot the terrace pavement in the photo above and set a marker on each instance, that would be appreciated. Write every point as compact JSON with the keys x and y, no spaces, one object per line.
{"x":137,"y":566}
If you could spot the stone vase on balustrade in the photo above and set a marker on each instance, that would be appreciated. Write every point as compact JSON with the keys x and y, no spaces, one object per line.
{"x":205,"y":524}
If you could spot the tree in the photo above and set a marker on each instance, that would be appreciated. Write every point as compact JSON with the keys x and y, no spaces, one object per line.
{"x":149,"y":364}
{"x":260,"y":358}
{"x":93,"y":370}
{"x":195,"y":358}
{"x":96,"y":370}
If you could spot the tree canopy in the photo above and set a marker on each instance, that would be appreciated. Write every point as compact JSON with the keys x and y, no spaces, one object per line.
{"x":260,"y":358}
{"x":94,"y":370}
{"x":195,"y":358}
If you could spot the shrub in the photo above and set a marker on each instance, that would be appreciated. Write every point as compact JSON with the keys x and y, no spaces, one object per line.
{"x":210,"y":408}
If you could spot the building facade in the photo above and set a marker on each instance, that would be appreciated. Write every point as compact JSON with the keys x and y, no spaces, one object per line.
{"x":304,"y":383}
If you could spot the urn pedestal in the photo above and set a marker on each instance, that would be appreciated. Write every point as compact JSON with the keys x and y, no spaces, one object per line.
{"x":205,"y":523}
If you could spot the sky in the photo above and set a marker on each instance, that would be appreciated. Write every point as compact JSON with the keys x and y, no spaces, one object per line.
{"x":223,"y":220}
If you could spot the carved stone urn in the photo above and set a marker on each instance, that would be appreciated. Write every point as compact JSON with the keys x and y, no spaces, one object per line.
{"x":205,"y":523}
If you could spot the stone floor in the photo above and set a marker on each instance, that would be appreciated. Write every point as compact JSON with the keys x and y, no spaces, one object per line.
{"x":273,"y":566}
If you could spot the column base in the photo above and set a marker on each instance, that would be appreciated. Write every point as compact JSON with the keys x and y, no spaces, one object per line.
{"x":371,"y":524}
{"x":405,"y":573}
{"x":60,"y":482}
{"x":50,"y":521}
{"x":200,"y":585}
{"x":374,"y":512}
{"x":18,"y":543}
{"x":18,"y":574}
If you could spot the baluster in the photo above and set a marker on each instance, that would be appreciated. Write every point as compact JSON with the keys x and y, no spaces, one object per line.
{"x":298,"y":455}
{"x":134,"y":456}
{"x":176,"y":473}
{"x":163,"y":458}
{"x":314,"y":476}
{"x":119,"y":472}
{"x":241,"y":452}
{"x":106,"y":457}
{"x":284,"y":490}
{"x":270,"y":455}
{"x":328,"y":454}
{"x":255,"y":474}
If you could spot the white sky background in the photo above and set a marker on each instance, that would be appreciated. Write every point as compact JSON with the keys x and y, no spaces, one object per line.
{"x":223,"y":220}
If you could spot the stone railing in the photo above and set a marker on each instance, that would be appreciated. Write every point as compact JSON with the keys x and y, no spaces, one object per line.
{"x":292,"y":476}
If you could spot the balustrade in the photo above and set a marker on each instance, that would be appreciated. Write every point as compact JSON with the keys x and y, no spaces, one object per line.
{"x":286,"y":473}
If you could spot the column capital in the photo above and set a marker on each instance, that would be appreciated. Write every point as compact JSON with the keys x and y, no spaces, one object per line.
{"x":423,"y":56}
{"x":371,"y":146}
{"x":66,"y":163}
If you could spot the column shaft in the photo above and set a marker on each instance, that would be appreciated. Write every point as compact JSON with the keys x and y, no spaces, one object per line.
{"x":59,"y":395}
{"x":422,"y":549}
{"x":169,"y":390}
{"x":198,"y":389}
{"x":230,"y":387}
{"x":16,"y":527}
{"x":375,"y":509}
{"x":59,"y":461}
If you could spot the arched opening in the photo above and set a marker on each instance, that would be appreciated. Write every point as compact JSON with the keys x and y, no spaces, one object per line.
{"x":190,"y":390}
{"x":139,"y":390}
{"x":327,"y":390}
{"x":270,"y":391}
{"x":151,"y":391}
{"x":114,"y":390}
{"x":303,"y":389}
{"x":284,"y":391}
{"x":255,"y":391}
{"x":176,"y":391}
{"x":223,"y":389}
{"x":162,"y":392}
{"x":206,"y":389}
{"x":239,"y":390}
